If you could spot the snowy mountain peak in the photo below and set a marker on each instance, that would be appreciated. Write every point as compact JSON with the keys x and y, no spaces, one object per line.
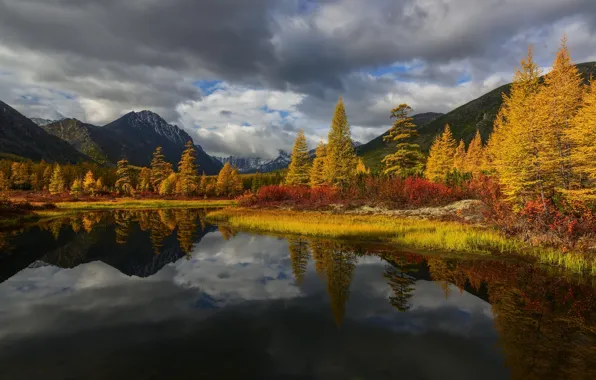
{"x":41,"y":122}
{"x":146,"y":119}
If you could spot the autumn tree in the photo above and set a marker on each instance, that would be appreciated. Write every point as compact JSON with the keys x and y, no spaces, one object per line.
{"x":4,"y":182}
{"x":340,"y":163}
{"x":559,"y":99}
{"x":47,"y":177}
{"x":145,"y":182}
{"x":407,"y":159}
{"x":235,"y":186}
{"x":76,"y":189}
{"x":89,"y":183}
{"x":56,"y":185}
{"x":317,"y":171}
{"x":188,"y":171}
{"x":168,"y":185}
{"x":124,"y":181}
{"x":361,"y":168}
{"x":581,"y":134}
{"x":474,"y":156}
{"x":440,"y":158}
{"x":223,"y":179}
{"x":516,"y":146}
{"x":202,"y":190}
{"x":160,"y":169}
{"x":298,"y":172}
{"x":459,"y":158}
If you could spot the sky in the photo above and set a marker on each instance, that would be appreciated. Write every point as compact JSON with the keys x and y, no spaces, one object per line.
{"x":243,"y":76}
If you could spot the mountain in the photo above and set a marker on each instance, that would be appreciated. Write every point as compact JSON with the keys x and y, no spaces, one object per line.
{"x":41,"y":122}
{"x":282,"y":161}
{"x":22,"y":137}
{"x":244,"y":164}
{"x":138,"y":134}
{"x":478,"y":114}
{"x":83,"y":137}
{"x":373,"y":151}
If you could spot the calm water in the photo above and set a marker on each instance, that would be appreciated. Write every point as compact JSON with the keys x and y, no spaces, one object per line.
{"x":164,"y":295}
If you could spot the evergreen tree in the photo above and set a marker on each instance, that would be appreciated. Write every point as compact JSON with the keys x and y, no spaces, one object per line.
{"x":124,"y":181}
{"x":559,"y":99}
{"x":76,"y":189}
{"x":407,"y":159}
{"x":89,"y":183}
{"x":99,"y":186}
{"x":317,"y":171}
{"x":340,"y":164}
{"x":459,"y":159}
{"x":474,"y":156}
{"x":56,"y":185}
{"x":298,"y":173}
{"x":160,"y":169}
{"x":440,"y":158}
{"x":582,"y":136}
{"x":187,"y":171}
{"x":4,"y":182}
{"x":223,"y":180}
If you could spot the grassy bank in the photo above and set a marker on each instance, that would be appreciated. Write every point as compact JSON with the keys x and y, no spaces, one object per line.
{"x":415,"y":233}
{"x":124,"y":203}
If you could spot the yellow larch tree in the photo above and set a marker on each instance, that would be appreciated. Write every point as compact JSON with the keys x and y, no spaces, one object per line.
{"x":340,"y":164}
{"x":89,"y":183}
{"x":223,"y":180}
{"x":299,"y":169}
{"x":459,"y":159}
{"x":515,"y":147}
{"x":361,"y":168}
{"x":317,"y":171}
{"x":188,"y":176}
{"x":582,"y":136}
{"x":474,"y":156}
{"x":559,"y":100}
{"x":440,"y":158}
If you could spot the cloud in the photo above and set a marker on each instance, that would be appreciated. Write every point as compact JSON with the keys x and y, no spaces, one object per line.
{"x":98,"y":60}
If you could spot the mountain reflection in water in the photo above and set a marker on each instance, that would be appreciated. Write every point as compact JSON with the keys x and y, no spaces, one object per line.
{"x":162,"y":294}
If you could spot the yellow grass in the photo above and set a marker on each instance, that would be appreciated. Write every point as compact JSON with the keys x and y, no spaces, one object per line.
{"x":128,"y":203}
{"x":414,"y":233}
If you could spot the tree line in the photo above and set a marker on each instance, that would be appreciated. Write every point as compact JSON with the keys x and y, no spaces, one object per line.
{"x":543,"y":144}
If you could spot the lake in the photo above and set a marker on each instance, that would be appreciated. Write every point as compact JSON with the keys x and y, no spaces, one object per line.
{"x":165,"y":295}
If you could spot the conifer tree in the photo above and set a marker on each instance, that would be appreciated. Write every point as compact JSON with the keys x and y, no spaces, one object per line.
{"x":317,"y":171}
{"x":89,"y":183}
{"x":99,"y":185}
{"x":559,"y":100}
{"x":145,"y":181}
{"x":47,"y":177}
{"x":298,"y":172}
{"x":124,"y":181}
{"x":235,"y":186}
{"x":474,"y":156}
{"x":187,"y":171}
{"x":361,"y":169}
{"x":4,"y":182}
{"x":440,"y":158}
{"x":459,"y":159}
{"x":76,"y":189}
{"x":407,"y":159}
{"x":223,"y":180}
{"x":516,"y":145}
{"x":168,"y":185}
{"x":340,"y":164}
{"x":203,"y":185}
{"x":160,"y":169}
{"x":56,"y":185}
{"x":582,"y":136}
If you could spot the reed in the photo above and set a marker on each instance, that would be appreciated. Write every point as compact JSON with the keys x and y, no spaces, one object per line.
{"x":414,"y":233}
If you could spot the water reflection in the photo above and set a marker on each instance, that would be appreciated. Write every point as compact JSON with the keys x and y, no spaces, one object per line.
{"x":163,"y":294}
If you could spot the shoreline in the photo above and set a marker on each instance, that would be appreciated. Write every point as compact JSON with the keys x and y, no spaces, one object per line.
{"x":409,"y":232}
